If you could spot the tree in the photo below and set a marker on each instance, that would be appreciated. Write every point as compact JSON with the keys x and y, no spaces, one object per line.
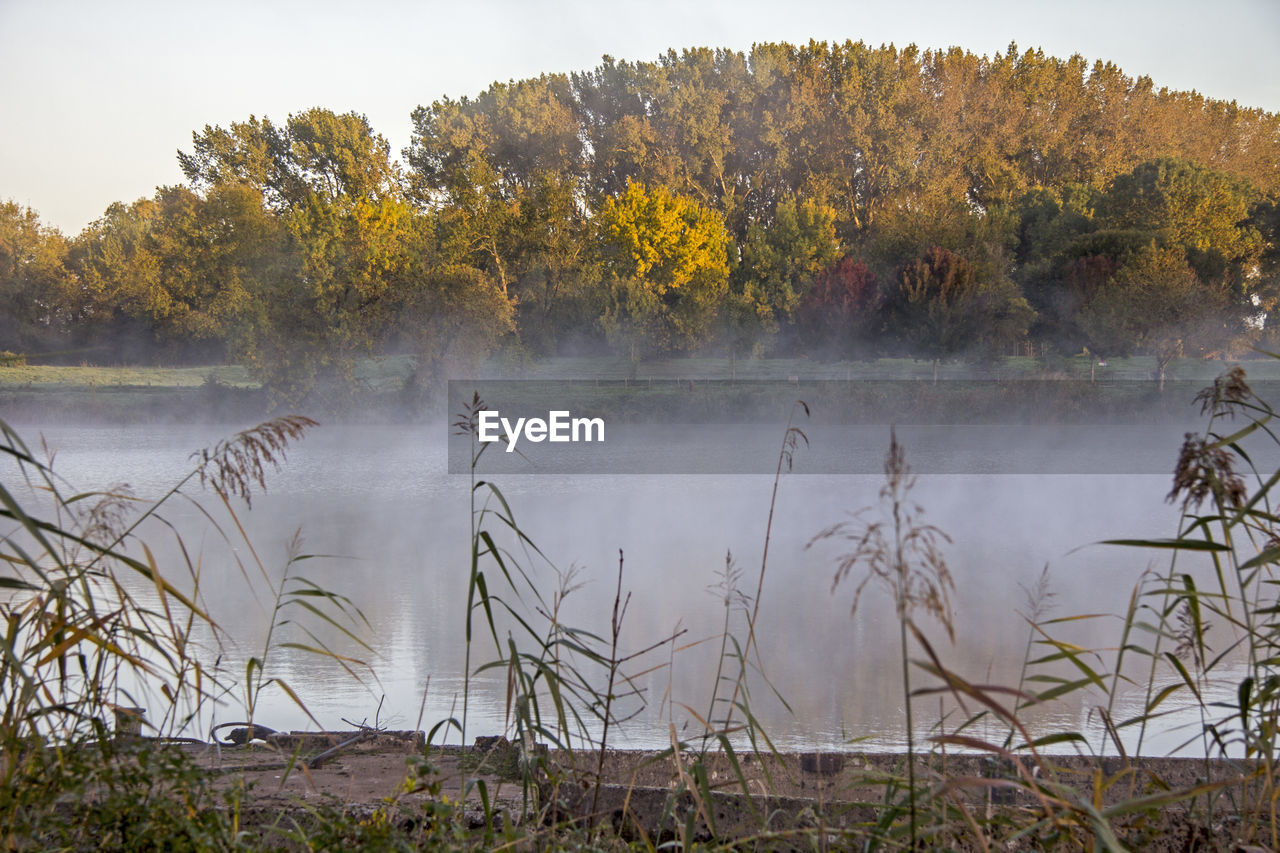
{"x":491,"y":165}
{"x":1184,"y":204}
{"x":336,"y":196}
{"x":779,"y":259}
{"x":1059,"y":306}
{"x":616,"y":107}
{"x":1155,"y":220}
{"x":33,"y":281}
{"x":782,"y":258}
{"x":554,"y":265}
{"x":338,"y":297}
{"x":1265,"y":217}
{"x":452,"y":315}
{"x":175,"y":271}
{"x":248,"y":153}
{"x":666,"y":266}
{"x":316,"y":153}
{"x":1156,"y":304}
{"x":939,"y":308}
{"x":840,"y":309}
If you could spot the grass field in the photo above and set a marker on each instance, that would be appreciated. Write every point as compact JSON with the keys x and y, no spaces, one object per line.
{"x":58,"y":377}
{"x":388,"y":373}
{"x":1121,"y":369}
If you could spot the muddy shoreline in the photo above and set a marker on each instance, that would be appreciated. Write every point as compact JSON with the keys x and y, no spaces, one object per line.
{"x":649,"y":794}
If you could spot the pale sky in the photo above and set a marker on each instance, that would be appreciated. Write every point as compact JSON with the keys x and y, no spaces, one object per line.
{"x":97,"y":96}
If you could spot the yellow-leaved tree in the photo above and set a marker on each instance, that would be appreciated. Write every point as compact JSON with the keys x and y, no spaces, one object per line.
{"x":666,"y":269}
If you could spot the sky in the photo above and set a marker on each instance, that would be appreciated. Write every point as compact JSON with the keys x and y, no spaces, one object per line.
{"x":99,"y":95}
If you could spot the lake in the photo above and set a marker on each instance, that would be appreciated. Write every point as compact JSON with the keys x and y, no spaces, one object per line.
{"x":393,"y":526}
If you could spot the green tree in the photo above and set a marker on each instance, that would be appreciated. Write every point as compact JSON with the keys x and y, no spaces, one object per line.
{"x":1265,"y":217}
{"x":502,"y":174}
{"x":250,"y":153}
{"x":337,"y":199}
{"x":666,"y":267}
{"x":555,"y":267}
{"x":1155,"y":304}
{"x":337,"y":297}
{"x":616,"y":107}
{"x":451,"y":316}
{"x":1181,"y":203}
{"x":782,"y":257}
{"x":315,"y":153}
{"x":175,"y":271}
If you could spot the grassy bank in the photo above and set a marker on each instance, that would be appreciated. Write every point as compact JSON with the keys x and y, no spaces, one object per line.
{"x":48,"y":377}
{"x":388,"y":374}
{"x":1011,"y":390}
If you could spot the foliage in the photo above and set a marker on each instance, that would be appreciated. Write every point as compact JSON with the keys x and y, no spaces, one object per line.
{"x":1155,"y":303}
{"x":841,"y":307}
{"x":783,"y":259}
{"x":1188,"y":205}
{"x":183,"y":266}
{"x":346,"y":230}
{"x":315,"y":153}
{"x":939,"y":308}
{"x":32,"y":280}
{"x":665,"y":259}
{"x":300,"y":245}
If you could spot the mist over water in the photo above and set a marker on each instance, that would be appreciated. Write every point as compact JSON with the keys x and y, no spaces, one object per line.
{"x":393,"y":524}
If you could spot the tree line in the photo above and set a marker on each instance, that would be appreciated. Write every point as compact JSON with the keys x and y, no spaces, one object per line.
{"x":832,"y":200}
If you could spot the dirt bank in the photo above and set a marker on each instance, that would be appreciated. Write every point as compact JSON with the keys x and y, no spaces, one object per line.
{"x":648,"y":794}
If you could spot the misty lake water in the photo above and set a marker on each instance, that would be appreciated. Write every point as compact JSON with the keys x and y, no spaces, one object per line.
{"x":393,"y":524}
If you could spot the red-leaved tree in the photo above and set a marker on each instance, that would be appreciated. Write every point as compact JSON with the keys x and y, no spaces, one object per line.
{"x":838,"y":312}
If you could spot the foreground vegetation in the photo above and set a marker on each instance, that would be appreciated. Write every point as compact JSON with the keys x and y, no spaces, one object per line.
{"x":93,"y":627}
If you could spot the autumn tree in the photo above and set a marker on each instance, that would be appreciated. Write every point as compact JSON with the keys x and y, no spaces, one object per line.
{"x":502,"y":176}
{"x":840,"y":310}
{"x":33,"y":282}
{"x":1025,"y":165}
{"x":939,"y":308}
{"x":908,"y":149}
{"x":315,"y":153}
{"x":174,"y":272}
{"x":451,"y":316}
{"x":666,"y":269}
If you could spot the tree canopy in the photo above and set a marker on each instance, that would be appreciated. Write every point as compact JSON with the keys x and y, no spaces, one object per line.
{"x":823,"y":198}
